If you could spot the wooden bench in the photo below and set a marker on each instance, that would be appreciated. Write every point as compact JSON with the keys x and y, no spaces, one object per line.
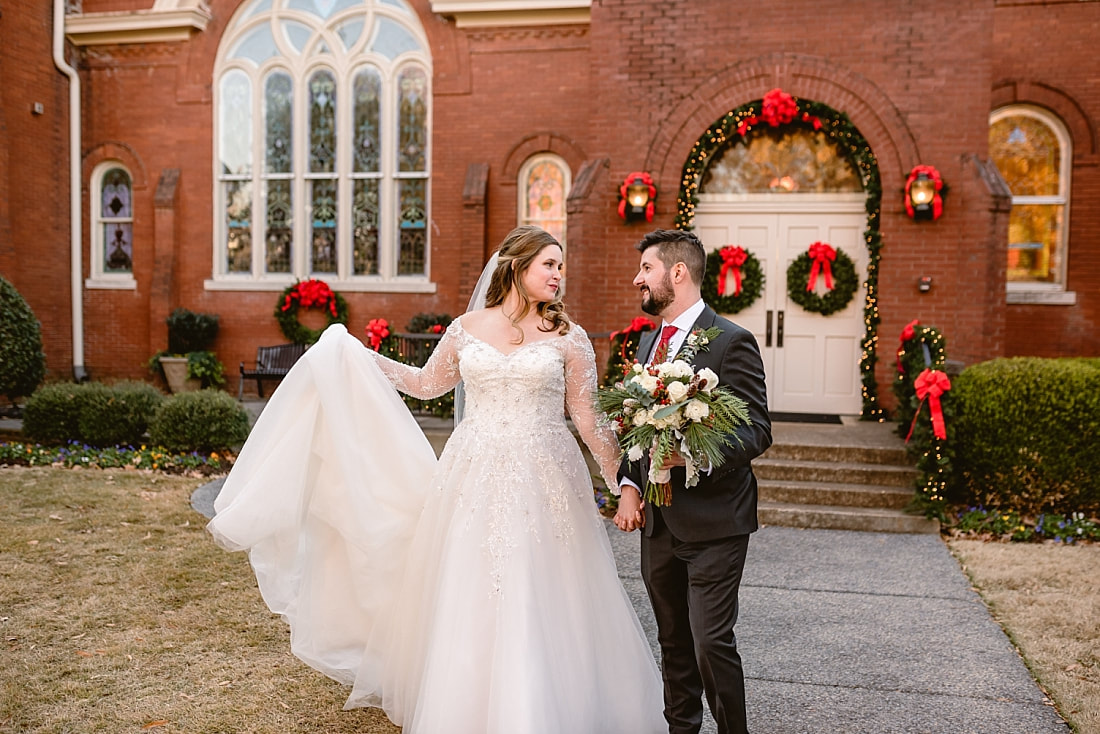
{"x":272,"y":363}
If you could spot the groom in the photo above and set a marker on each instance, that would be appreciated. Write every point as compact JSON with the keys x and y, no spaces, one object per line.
{"x":693,"y":550}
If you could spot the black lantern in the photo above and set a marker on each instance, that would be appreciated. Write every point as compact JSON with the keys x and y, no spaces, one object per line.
{"x":636,"y":197}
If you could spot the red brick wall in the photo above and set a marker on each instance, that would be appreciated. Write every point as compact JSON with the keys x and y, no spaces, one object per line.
{"x":34,"y":175}
{"x":637,"y":87}
{"x":1045,"y":56}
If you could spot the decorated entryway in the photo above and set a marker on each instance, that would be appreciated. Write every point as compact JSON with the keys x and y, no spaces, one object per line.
{"x":784,"y":195}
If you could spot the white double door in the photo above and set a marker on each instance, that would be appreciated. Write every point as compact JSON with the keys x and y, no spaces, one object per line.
{"x":811,"y":361}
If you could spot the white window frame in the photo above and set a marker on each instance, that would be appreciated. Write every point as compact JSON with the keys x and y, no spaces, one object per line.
{"x":99,"y":278}
{"x":343,"y":64}
{"x":1054,"y":294}
{"x":521,"y":190}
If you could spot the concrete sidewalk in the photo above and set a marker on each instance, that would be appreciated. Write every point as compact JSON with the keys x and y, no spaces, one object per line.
{"x":845,"y":631}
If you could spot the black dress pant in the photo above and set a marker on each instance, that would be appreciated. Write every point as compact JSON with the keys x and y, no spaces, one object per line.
{"x":693,"y":588}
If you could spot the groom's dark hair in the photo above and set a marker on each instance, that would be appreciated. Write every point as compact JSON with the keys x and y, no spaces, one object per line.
{"x":675,"y":246}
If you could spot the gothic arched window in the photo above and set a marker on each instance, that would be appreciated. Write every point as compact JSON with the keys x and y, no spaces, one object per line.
{"x":1032,"y":150}
{"x":112,"y":234}
{"x":544,"y":182}
{"x":322,"y":127}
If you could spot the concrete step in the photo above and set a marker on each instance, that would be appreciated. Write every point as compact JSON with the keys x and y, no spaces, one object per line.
{"x":840,"y":472}
{"x":834,"y":493}
{"x":831,"y":452}
{"x":844,"y":518}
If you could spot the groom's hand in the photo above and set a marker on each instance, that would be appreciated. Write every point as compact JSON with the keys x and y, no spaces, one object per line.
{"x":630,"y":515}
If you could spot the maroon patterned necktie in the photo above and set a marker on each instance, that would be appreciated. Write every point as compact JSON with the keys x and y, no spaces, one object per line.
{"x":661,"y":352}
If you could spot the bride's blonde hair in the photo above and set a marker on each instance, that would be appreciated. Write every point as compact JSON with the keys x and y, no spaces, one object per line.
{"x":517,"y":252}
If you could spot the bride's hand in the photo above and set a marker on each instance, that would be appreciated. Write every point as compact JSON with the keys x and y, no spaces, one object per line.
{"x":631,"y":513}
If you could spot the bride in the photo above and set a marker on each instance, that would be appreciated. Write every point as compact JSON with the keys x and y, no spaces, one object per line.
{"x":473,"y":595}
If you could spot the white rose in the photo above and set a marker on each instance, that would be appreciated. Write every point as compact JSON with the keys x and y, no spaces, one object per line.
{"x":682,"y":369}
{"x":638,"y":368}
{"x":635,"y":453}
{"x":707,"y":379}
{"x":696,"y":410}
{"x":640,"y":418}
{"x":647,"y":381}
{"x":677,"y":391}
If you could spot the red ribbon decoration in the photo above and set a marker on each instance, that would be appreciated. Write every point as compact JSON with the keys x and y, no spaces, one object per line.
{"x":779,"y":108}
{"x":931,"y":384}
{"x":822,"y":254}
{"x":648,"y":181}
{"x":311,"y":293}
{"x":906,"y":334}
{"x":937,"y":182}
{"x":377,"y":330}
{"x":733,"y":257}
{"x":641,"y":323}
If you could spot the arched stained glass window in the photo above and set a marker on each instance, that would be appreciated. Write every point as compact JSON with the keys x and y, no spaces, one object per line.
{"x":332,"y":99}
{"x":112,"y":227}
{"x":1031,"y":149}
{"x":787,"y":160}
{"x":544,"y":183}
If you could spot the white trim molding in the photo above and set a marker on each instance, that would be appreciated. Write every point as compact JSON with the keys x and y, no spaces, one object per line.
{"x":166,"y":21}
{"x":470,"y":13}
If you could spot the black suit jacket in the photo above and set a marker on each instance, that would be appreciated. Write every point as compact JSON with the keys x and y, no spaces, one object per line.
{"x":723,"y":503}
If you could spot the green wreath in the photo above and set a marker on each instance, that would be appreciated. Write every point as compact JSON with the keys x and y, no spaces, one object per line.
{"x":845,"y":283}
{"x":752,"y":284}
{"x":318,"y":295}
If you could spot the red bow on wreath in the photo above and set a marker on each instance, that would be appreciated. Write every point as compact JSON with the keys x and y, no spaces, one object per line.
{"x":377,"y":330}
{"x":779,"y":108}
{"x":931,"y":384}
{"x":937,"y":183}
{"x":906,"y":334}
{"x":311,"y":293}
{"x":821,"y":254}
{"x":733,"y":257}
{"x":641,"y":323}
{"x":648,"y":181}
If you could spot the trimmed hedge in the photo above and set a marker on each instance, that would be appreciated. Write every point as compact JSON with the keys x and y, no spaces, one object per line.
{"x":92,"y":413}
{"x":206,"y":420}
{"x":22,"y":362}
{"x":1025,"y":434}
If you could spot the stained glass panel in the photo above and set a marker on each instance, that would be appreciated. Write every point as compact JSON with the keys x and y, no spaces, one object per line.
{"x":279,"y":145}
{"x":392,"y":40}
{"x":412,"y":227}
{"x":322,"y":122}
{"x":545,"y":200}
{"x":280,"y":226}
{"x":118,"y":255}
{"x":365,"y":227}
{"x":367,"y":92}
{"x":783,"y":161}
{"x":322,"y":237}
{"x":116,"y":195}
{"x":1033,"y":243}
{"x":412,"y":120}
{"x":235,"y":113}
{"x":238,"y":226}
{"x":1027,"y":153}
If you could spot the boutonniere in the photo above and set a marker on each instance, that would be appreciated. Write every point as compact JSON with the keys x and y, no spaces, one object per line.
{"x":697,"y":341}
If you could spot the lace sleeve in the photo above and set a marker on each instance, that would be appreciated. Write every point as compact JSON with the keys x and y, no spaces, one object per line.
{"x":580,"y":401}
{"x":436,"y":377}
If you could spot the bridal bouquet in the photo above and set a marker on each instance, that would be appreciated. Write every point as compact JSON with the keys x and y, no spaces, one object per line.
{"x":669,"y":407}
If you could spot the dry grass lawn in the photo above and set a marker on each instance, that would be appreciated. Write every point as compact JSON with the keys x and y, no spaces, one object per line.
{"x":119,"y":614}
{"x":1047,"y":598}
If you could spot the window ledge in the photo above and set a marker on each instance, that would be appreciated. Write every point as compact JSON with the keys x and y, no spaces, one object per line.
{"x":351,"y":286}
{"x":167,"y":21}
{"x":1041,"y":298}
{"x":120,"y":284}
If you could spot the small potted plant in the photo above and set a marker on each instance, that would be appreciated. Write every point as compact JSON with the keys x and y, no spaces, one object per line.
{"x":188,"y":364}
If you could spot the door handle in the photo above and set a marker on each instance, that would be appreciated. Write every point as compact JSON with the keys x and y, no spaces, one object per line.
{"x":768,"y":330}
{"x":779,"y":330}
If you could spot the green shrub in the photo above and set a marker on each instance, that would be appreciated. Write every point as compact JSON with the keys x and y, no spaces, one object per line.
{"x":1025,"y":435}
{"x":52,"y":414}
{"x":206,"y":420}
{"x":191,"y":332}
{"x":22,"y":363}
{"x":116,"y":415}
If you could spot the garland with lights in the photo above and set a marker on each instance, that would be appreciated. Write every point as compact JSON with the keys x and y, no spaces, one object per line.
{"x":734,"y":279}
{"x":838,"y":272}
{"x":921,"y":360}
{"x":738,"y":126}
{"x":309,"y":294}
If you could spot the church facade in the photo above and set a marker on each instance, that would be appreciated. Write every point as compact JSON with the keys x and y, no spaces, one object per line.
{"x":209,"y":156}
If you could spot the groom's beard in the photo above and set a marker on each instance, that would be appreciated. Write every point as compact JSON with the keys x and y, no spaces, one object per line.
{"x":656,"y":300}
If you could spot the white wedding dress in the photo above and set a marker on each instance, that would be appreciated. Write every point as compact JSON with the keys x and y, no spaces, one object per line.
{"x":473,"y":595}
